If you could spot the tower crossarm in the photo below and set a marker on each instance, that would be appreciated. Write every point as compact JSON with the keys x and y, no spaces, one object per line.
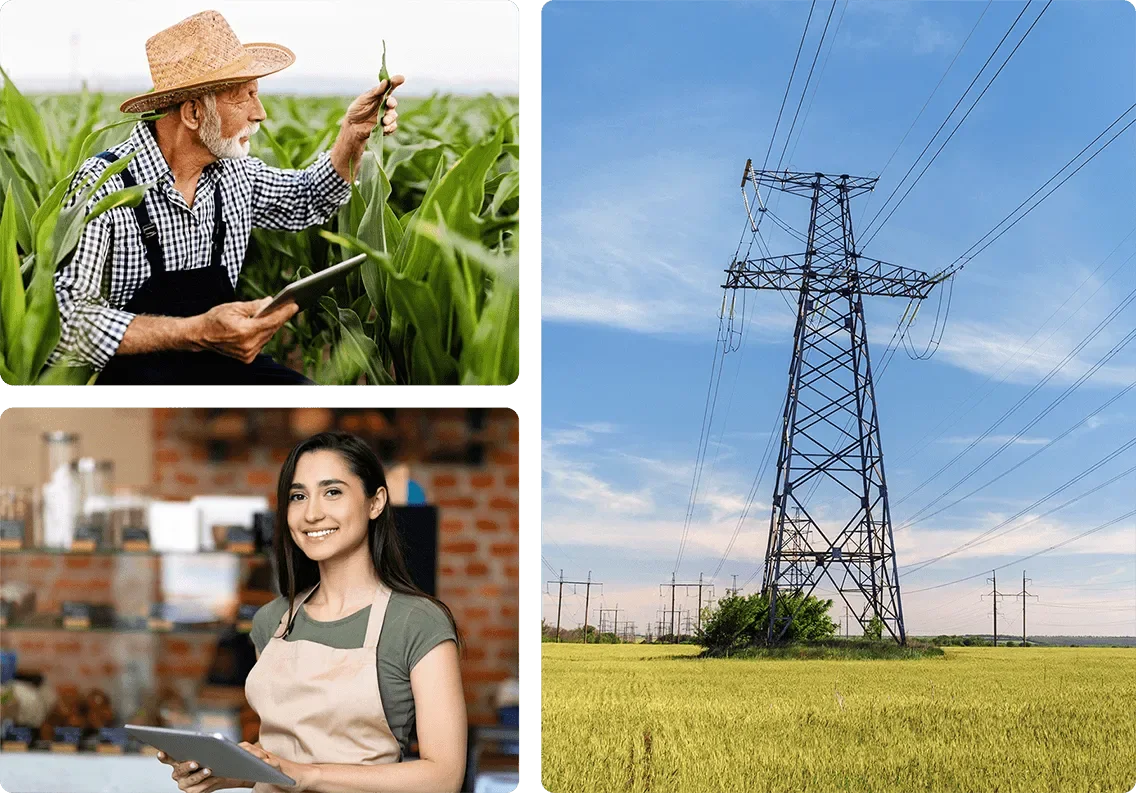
{"x":789,"y":273}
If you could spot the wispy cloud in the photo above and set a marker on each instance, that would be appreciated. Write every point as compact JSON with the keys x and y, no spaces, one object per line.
{"x":627,"y":249}
{"x":872,"y":25}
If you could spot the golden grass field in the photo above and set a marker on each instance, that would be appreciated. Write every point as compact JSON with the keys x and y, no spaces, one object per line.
{"x":652,"y":718}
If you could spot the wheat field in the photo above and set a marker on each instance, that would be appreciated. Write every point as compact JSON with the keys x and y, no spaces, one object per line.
{"x":655,"y":718}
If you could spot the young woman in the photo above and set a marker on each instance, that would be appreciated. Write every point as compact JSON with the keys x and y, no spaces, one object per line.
{"x":353,"y":659}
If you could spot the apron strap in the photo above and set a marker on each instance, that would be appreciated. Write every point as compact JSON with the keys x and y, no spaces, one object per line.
{"x":154,"y":255}
{"x":378,"y":612}
{"x":219,"y":226}
{"x":288,"y":614}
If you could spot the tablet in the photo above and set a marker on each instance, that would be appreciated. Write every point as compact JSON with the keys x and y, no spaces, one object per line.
{"x":307,"y":290}
{"x":215,"y":752}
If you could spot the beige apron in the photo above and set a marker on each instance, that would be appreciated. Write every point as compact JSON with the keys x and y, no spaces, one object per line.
{"x":320,"y":704}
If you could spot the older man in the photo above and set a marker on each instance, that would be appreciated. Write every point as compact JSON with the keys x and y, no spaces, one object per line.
{"x":148,"y":296}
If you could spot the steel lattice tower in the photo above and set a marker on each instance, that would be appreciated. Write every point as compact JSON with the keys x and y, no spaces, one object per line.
{"x":830,"y":427}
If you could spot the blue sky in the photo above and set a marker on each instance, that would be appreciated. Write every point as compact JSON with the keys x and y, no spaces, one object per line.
{"x":649,"y":112}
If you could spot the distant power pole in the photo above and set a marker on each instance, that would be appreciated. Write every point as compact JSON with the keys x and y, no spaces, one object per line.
{"x":699,"y":584}
{"x":734,"y":589}
{"x":560,"y":582}
{"x":994,"y":596}
{"x":1024,"y":595}
{"x":601,"y":611}
{"x":846,"y":620}
{"x":668,"y":614}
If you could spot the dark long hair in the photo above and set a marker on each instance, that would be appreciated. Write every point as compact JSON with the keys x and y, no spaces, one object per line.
{"x":295,"y":572}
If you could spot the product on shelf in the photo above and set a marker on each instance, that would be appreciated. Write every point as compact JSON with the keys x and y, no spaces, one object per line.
{"x":17,"y":603}
{"x":16,"y":516}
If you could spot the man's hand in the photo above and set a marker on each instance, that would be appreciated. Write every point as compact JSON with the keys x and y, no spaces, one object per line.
{"x":191,"y":778}
{"x":233,"y":329}
{"x":363,"y":114}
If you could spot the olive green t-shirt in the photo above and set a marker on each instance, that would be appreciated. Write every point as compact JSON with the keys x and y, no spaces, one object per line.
{"x":412,"y":627}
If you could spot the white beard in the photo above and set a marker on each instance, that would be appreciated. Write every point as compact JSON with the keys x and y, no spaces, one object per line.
{"x":219,"y":147}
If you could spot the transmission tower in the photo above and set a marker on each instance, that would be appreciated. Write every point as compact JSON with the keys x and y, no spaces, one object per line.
{"x":830,"y":427}
{"x":560,"y":582}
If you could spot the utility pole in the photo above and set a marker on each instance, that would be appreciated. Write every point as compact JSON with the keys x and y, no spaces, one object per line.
{"x":1024,"y":595}
{"x":734,"y":589}
{"x":688,"y":585}
{"x":845,"y":620}
{"x":830,"y":430}
{"x":559,"y":601}
{"x":994,"y":595}
{"x":560,"y":582}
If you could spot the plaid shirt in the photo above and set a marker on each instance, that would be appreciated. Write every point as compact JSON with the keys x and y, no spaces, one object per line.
{"x":101,"y":277}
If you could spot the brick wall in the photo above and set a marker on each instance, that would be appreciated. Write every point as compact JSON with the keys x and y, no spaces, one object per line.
{"x":466,"y":462}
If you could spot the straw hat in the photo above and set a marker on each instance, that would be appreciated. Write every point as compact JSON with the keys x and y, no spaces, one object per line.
{"x":199,"y":55}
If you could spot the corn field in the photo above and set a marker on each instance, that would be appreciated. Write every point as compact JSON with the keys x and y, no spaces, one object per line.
{"x":654,"y":718}
{"x":436,"y":211}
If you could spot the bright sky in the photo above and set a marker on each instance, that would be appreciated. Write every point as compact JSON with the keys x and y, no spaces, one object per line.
{"x":444,"y":45}
{"x":641,"y":214}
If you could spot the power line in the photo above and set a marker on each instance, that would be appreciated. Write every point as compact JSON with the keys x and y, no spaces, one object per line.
{"x":1034,"y":389}
{"x":934,"y":90}
{"x":920,"y":515}
{"x":988,"y":535}
{"x":1054,"y":547}
{"x":1018,"y":465}
{"x":805,"y":90}
{"x":1005,"y":36}
{"x":960,"y":263}
{"x":959,"y":411}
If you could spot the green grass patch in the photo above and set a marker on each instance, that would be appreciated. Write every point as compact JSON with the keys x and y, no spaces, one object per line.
{"x":835,"y":649}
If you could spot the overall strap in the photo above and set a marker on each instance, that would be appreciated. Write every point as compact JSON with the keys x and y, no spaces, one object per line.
{"x":149,"y":231}
{"x":219,"y":227}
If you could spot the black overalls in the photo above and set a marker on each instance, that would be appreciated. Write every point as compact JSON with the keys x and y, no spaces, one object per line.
{"x":186,"y":293}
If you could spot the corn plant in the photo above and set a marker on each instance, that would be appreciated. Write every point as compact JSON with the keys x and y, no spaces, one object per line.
{"x":41,"y":219}
{"x":437,"y":204}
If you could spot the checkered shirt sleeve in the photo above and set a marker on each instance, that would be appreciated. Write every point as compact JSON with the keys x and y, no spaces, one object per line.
{"x":293,"y":200}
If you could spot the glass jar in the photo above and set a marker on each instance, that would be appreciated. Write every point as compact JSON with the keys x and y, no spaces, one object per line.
{"x":60,"y":490}
{"x":60,"y":450}
{"x":94,"y":504}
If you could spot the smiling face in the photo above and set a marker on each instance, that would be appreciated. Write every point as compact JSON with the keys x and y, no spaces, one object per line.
{"x":328,"y":510}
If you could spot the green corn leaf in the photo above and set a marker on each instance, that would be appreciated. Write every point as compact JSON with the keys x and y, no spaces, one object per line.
{"x":39,"y":174}
{"x":508,"y":189}
{"x":414,"y":304}
{"x":69,"y":226}
{"x":66,"y":375}
{"x":362,"y":349}
{"x":12,"y":296}
{"x":283,"y":158}
{"x":458,"y":195}
{"x":6,"y":374}
{"x":24,"y":202}
{"x":383,"y":73}
{"x":24,"y":119}
{"x":126,"y":197}
{"x":77,"y":149}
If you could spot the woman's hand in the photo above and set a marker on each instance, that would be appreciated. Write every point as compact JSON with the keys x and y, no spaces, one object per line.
{"x":191,"y":778}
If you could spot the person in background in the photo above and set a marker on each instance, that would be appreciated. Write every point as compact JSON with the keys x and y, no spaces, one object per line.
{"x":353,"y":660}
